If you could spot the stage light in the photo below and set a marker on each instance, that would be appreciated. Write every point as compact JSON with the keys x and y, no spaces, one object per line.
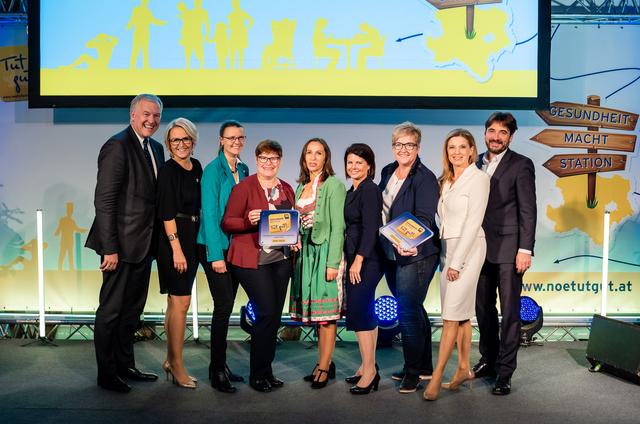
{"x":605,"y":263}
{"x":247,"y":317}
{"x":531,"y":318}
{"x":42,"y":333}
{"x":41,"y":317}
{"x":386,"y":311}
{"x":194,"y":310}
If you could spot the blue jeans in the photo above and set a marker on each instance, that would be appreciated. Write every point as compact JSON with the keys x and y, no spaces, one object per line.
{"x":409,"y":284}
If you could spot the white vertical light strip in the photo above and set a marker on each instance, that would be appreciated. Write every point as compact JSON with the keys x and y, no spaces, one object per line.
{"x":605,"y":264}
{"x":194,"y":308}
{"x":41,"y":322}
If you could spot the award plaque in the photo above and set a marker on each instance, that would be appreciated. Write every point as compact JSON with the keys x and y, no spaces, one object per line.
{"x":406,"y":231}
{"x":278,"y":227}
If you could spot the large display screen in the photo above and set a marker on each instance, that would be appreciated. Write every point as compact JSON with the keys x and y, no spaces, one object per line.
{"x":291,"y":53}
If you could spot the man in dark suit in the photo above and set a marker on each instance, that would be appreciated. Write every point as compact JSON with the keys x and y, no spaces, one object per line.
{"x":509,"y":226}
{"x":123,"y":235}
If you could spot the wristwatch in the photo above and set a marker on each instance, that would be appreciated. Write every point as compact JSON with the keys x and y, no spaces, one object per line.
{"x":172,"y":237}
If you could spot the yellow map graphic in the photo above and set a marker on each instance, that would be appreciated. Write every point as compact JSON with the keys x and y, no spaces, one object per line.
{"x":478,"y":52}
{"x":611,"y":194}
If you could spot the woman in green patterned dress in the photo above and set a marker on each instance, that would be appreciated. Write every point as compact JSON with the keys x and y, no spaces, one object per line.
{"x":316,"y":291}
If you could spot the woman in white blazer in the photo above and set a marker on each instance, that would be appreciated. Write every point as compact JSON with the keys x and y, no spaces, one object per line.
{"x":464,"y":192}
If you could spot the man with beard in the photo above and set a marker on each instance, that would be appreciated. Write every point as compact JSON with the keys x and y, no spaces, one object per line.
{"x":510,"y":226}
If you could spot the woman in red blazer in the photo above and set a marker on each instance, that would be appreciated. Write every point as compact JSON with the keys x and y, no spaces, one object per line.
{"x":263,"y":272}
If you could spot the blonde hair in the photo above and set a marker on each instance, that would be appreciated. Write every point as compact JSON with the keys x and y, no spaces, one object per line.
{"x":447,"y":167}
{"x":406,"y":128}
{"x":188,"y":127}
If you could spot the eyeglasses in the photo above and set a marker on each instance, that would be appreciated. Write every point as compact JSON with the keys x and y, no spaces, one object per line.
{"x":409,"y":146}
{"x":186,"y":141}
{"x":239,"y":139}
{"x":271,"y":159}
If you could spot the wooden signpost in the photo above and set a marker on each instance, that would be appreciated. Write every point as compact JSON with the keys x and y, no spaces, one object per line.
{"x":586,"y":139}
{"x":593,"y":117}
{"x":469,"y":4}
{"x":589,"y":115}
{"x":567,"y":165}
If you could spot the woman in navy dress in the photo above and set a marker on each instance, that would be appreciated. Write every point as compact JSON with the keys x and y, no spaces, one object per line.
{"x":363,"y":218}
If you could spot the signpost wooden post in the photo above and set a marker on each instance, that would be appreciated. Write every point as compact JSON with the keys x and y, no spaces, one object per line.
{"x":593,"y":117}
{"x":470,"y":6}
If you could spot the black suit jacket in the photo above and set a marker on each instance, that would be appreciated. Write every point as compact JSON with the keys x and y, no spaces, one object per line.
{"x":363,"y":216}
{"x":125,"y":198}
{"x":418,"y":195}
{"x":510,"y":220}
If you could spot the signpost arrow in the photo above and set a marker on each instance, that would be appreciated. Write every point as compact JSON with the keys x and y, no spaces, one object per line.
{"x":580,"y":115}
{"x":586,"y":139}
{"x":448,"y":4}
{"x":469,"y":4}
{"x":578,"y":164}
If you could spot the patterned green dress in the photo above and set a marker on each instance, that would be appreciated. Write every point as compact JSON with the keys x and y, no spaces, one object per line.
{"x":312,"y":298}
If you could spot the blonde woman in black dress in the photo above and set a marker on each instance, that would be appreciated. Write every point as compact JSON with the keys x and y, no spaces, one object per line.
{"x":179,"y":209}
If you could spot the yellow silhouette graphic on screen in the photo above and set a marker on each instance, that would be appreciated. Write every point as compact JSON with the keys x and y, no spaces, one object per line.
{"x":320,"y":42}
{"x":223,"y":45}
{"x":141,"y":21}
{"x":30,"y":265}
{"x":280,"y":52}
{"x":104,"y":45}
{"x":239,"y":24}
{"x":67,"y":227}
{"x":375,"y":41}
{"x":194,"y":21}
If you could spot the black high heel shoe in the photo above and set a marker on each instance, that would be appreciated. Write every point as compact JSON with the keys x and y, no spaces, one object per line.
{"x":317,"y":384}
{"x":311,"y":377}
{"x":355,"y":378}
{"x":357,"y":390}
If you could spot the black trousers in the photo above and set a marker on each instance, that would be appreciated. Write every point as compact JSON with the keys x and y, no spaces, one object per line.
{"x":122,"y":298}
{"x":223,"y":288}
{"x":267,"y":290}
{"x":499,"y":343}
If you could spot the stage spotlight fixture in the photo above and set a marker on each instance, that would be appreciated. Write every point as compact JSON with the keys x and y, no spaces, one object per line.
{"x":386,"y":311}
{"x":531,"y":318}
{"x":247,"y":317}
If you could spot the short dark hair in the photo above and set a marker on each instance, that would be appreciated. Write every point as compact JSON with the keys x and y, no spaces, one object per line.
{"x":229,"y":123}
{"x":363,"y":151}
{"x":505,"y":118}
{"x":269,"y":146}
{"x":327,"y":169}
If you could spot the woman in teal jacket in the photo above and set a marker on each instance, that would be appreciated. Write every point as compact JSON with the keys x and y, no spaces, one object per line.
{"x":218,"y":179}
{"x":316,"y":290}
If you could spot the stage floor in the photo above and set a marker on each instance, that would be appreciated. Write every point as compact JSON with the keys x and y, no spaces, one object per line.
{"x":57,"y":384}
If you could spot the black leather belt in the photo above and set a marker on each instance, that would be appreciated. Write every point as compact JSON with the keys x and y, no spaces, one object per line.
{"x":192,"y":218}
